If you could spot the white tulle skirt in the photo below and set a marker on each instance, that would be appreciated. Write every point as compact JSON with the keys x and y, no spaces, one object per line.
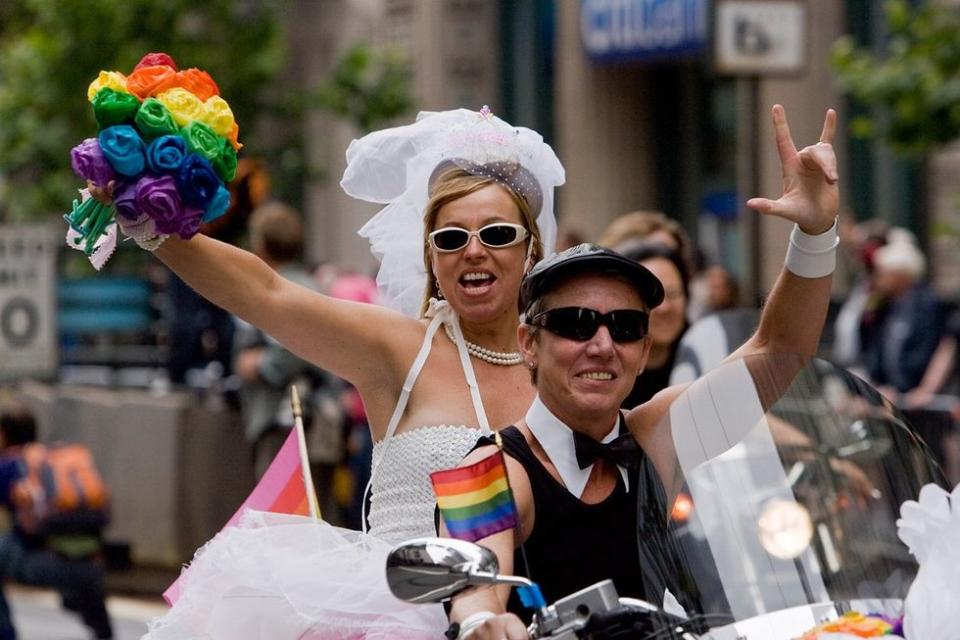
{"x":283,"y":577}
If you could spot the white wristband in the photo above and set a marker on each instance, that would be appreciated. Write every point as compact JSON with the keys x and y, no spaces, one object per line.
{"x":812,"y":256}
{"x":473,"y":621}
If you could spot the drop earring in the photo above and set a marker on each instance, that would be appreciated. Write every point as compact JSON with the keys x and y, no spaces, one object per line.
{"x":436,"y":283}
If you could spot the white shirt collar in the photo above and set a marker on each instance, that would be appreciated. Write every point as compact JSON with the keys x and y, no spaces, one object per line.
{"x":556,"y":438}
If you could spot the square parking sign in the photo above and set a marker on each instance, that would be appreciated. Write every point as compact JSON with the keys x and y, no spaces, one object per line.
{"x":28,"y":335}
{"x":761,"y":37}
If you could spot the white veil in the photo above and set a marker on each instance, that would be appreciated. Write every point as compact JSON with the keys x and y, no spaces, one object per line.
{"x":393,"y":166}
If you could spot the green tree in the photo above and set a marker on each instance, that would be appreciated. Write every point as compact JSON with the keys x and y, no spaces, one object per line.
{"x":50,"y":50}
{"x":913,"y":88}
{"x":368,"y":87}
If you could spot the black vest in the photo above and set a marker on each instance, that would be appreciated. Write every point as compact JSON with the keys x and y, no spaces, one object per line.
{"x":574,"y":545}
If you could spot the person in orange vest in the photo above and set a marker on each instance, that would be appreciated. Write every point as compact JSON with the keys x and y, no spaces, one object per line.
{"x":54,"y":541}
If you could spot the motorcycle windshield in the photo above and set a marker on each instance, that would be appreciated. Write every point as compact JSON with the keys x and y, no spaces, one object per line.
{"x":782,"y":489}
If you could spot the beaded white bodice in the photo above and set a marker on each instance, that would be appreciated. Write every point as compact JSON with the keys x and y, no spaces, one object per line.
{"x":402,"y":501}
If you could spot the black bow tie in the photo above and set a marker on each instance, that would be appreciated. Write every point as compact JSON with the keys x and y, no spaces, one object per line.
{"x":622,"y":450}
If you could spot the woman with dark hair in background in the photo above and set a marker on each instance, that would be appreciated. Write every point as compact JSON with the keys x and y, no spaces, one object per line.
{"x":668,"y":321}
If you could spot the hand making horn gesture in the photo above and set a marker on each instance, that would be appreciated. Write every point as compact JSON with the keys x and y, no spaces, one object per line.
{"x":810,"y":193}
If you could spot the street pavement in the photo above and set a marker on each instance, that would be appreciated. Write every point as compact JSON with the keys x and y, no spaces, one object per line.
{"x":37,"y":615}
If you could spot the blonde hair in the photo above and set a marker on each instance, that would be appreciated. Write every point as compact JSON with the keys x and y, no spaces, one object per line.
{"x":453,"y":184}
{"x":626,"y":231}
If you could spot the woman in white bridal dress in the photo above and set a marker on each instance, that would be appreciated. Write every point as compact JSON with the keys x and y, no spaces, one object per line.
{"x":469,"y":209}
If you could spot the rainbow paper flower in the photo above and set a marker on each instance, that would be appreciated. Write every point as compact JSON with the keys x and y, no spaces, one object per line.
{"x":857,"y":625}
{"x":167,"y":140}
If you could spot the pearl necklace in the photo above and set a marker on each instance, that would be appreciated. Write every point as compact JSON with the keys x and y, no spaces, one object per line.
{"x":502,"y":358}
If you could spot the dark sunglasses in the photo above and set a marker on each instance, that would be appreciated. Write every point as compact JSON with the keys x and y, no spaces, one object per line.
{"x":499,"y":235}
{"x":580,"y":324}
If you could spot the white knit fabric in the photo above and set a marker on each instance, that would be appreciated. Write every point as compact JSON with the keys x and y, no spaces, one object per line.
{"x":402,"y":500}
{"x":408,"y":479}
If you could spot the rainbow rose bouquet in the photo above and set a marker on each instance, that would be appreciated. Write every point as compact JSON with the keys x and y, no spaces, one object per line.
{"x":168,"y":143}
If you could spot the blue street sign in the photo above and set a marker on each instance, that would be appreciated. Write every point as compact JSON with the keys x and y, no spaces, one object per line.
{"x":638,"y":29}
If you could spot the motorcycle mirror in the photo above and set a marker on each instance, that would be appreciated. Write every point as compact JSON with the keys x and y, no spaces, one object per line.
{"x":434,"y":569}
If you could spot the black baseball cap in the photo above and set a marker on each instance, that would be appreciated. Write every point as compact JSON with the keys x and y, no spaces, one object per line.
{"x":588,"y":258}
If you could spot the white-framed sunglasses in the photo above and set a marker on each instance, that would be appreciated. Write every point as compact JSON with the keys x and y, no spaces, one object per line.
{"x":498,"y":235}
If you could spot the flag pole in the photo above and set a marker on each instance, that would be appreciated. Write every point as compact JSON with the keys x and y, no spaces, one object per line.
{"x":312,"y":502}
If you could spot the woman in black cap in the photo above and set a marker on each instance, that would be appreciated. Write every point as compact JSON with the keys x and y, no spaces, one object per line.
{"x":584,"y":339}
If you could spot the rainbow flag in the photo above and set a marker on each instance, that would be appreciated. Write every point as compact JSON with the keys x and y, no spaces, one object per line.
{"x":475,"y":501}
{"x":282,"y":489}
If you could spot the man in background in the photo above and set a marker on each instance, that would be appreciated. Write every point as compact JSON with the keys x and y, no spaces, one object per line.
{"x":904,"y":330}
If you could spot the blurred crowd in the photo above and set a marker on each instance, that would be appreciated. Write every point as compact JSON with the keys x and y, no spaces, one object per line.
{"x":256,"y":372}
{"x":889,"y":327}
{"x":894,"y":330}
{"x":338,"y":438}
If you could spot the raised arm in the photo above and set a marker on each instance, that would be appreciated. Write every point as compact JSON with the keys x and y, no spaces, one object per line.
{"x":794,"y":313}
{"x":793,"y":316}
{"x":353,"y":341}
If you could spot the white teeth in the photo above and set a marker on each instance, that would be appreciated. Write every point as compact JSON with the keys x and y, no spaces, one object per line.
{"x":476,"y":276}
{"x":597,"y":375}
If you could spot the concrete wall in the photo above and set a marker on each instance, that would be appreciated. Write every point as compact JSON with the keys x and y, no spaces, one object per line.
{"x":806,"y":98}
{"x":176,"y":470}
{"x":603,"y":123}
{"x":320,"y":32}
{"x":600,"y":116}
{"x":943,"y":200}
{"x":453,"y":64}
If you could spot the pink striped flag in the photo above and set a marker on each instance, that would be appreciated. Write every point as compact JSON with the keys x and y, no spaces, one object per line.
{"x":282,"y":489}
